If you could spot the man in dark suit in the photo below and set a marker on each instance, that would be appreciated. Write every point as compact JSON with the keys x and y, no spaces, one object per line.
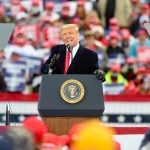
{"x":71,"y":57}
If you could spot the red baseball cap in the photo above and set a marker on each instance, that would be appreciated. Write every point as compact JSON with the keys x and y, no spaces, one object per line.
{"x":145,"y":6}
{"x":49,"y":5}
{"x":113,"y":21}
{"x":80,"y":3}
{"x":141,"y":32}
{"x":115,"y":68}
{"x":37,"y":127}
{"x":35,"y":3}
{"x":66,"y":5}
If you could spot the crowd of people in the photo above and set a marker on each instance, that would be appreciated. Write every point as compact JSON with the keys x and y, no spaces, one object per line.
{"x":34,"y":134}
{"x":113,"y":29}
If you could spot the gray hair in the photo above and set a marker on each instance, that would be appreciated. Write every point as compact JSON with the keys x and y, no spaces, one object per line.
{"x":21,"y":138}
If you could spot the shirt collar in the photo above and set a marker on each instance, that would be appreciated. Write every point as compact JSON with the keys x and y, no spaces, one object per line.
{"x":75,"y":49}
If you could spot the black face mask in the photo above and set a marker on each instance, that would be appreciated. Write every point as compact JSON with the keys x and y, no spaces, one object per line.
{"x":125,"y":44}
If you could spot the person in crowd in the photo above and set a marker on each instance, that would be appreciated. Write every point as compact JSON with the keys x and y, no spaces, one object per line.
{"x":136,"y":4}
{"x":115,"y":53}
{"x":3,"y":87}
{"x":143,"y":41}
{"x":145,"y":87}
{"x":91,"y":43}
{"x":48,"y":13}
{"x":71,"y":57}
{"x":113,"y":47}
{"x":31,"y":41}
{"x":20,"y":47}
{"x":45,"y":22}
{"x":34,"y":13}
{"x":92,"y":20}
{"x":100,"y":37}
{"x":17,"y":7}
{"x":113,"y":26}
{"x":129,"y":70}
{"x":134,"y":25}
{"x":143,"y":19}
{"x":81,"y":13}
{"x":114,"y":8}
{"x":22,"y":18}
{"x":135,"y":85}
{"x":49,"y":9}
{"x":20,"y":138}
{"x":114,"y":76}
{"x":89,"y":40}
{"x":65,"y":16}
{"x":37,"y":128}
{"x":126,"y":39}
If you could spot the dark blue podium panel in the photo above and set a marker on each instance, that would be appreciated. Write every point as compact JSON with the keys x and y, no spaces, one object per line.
{"x":83,"y":99}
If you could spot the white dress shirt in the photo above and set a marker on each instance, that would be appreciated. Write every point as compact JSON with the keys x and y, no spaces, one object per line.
{"x":74,"y":51}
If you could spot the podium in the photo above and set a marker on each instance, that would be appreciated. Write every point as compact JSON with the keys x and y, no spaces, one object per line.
{"x":65,"y":100}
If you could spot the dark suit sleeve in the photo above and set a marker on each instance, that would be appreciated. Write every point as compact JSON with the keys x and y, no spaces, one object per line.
{"x":45,"y":66}
{"x":94,"y":62}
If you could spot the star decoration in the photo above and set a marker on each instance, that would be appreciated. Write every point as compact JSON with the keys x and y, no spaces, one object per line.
{"x":21,"y":118}
{"x":137,"y":119}
{"x":121,"y":118}
{"x":105,"y":118}
{"x":4,"y":118}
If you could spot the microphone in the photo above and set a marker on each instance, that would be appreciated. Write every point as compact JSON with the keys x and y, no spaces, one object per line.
{"x":54,"y":59}
{"x":70,"y":48}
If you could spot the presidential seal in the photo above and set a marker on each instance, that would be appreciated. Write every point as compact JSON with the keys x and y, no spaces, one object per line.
{"x":72,"y":91}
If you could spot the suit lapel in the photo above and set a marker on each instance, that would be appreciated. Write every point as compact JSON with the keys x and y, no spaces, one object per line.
{"x":76,"y":59}
{"x":61,"y":62}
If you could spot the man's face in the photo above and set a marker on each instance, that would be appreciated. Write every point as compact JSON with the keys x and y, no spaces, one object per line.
{"x":70,"y":36}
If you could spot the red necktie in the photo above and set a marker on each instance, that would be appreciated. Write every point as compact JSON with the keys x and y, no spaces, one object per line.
{"x":67,"y":62}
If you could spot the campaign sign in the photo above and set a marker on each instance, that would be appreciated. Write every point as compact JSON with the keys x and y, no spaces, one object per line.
{"x":14,"y":75}
{"x":100,"y":58}
{"x":33,"y":64}
{"x":143,"y":54}
{"x":115,"y":59}
{"x":27,"y":30}
{"x":51,"y":34}
{"x":113,"y":89}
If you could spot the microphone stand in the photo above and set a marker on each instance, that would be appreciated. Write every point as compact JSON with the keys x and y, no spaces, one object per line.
{"x":7,"y":123}
{"x":53,"y":60}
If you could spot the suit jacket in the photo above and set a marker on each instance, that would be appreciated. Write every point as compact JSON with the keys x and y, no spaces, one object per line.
{"x":122,"y":11}
{"x":84,"y":62}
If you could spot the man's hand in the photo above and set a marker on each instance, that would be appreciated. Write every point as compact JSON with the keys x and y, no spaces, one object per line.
{"x":100,"y":75}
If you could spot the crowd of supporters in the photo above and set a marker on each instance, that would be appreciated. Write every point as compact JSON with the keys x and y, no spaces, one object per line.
{"x":113,"y":29}
{"x":34,"y":134}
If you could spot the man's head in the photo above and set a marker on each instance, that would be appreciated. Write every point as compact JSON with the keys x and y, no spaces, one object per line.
{"x":70,"y":34}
